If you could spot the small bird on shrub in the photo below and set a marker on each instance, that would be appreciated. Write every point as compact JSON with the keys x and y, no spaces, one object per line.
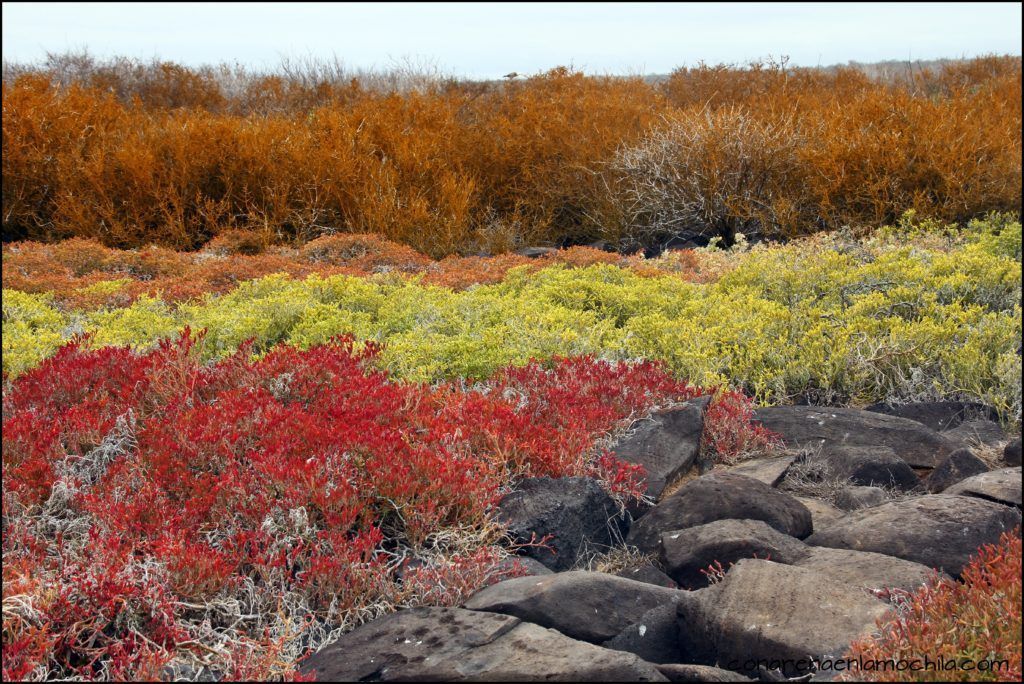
{"x":510,"y":76}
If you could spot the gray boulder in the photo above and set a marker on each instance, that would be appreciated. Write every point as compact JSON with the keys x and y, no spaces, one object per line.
{"x":814,"y":428}
{"x":454,"y":645}
{"x":765,"y":611}
{"x":958,"y":466}
{"x":937,"y":530}
{"x":666,"y":444}
{"x":575,"y":511}
{"x":1001,"y":486}
{"x":590,"y":606}
{"x":685,"y":553}
{"x":720,"y":496}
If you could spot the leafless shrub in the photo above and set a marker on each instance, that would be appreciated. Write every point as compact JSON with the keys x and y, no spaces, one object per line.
{"x":715,"y":173}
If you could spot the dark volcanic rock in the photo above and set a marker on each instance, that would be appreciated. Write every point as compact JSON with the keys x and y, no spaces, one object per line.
{"x":1011,"y":454}
{"x":590,"y":606}
{"x":868,"y":466}
{"x":687,"y":552}
{"x":667,"y":444}
{"x":938,"y":415}
{"x":453,"y":645}
{"x":959,"y":465}
{"x":937,"y":530}
{"x":815,"y":428}
{"x":765,"y":610}
{"x":720,"y":496}
{"x":574,"y":510}
{"x":1001,"y":486}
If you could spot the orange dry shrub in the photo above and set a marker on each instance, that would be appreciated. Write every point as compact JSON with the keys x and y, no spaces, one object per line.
{"x":46,"y":135}
{"x":131,"y":154}
{"x":536,"y":147}
{"x":978,"y":620}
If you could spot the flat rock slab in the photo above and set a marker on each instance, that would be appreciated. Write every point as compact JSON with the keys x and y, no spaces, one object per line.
{"x":765,"y":610}
{"x":720,"y":495}
{"x":575,"y":511}
{"x":685,"y":553}
{"x":591,"y":606}
{"x":939,"y":531}
{"x":938,"y":415}
{"x":1002,"y":486}
{"x":872,"y":571}
{"x":771,"y":470}
{"x":666,"y":444}
{"x":868,"y":466}
{"x":451,"y":644}
{"x":811,"y":427}
{"x":958,"y":466}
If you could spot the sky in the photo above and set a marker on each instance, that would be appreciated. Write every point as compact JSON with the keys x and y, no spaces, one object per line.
{"x":487,"y":40}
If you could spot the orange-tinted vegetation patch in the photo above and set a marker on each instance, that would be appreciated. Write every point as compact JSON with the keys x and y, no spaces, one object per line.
{"x":72,"y":269}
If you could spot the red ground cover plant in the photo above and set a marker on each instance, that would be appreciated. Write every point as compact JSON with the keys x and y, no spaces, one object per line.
{"x":161,"y":516}
{"x":978,"y":619}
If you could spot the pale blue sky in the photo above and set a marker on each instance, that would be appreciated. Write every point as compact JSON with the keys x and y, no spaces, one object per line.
{"x":486,"y":40}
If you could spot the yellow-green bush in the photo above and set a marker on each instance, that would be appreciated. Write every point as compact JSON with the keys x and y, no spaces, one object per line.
{"x":831,"y":319}
{"x":33,"y":330}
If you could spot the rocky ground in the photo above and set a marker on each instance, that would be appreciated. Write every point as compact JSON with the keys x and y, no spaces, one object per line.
{"x":791,"y":556}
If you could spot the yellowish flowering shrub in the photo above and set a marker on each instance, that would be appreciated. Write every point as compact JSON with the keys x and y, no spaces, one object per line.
{"x":32,"y":330}
{"x":830,"y":319}
{"x":146,"y":321}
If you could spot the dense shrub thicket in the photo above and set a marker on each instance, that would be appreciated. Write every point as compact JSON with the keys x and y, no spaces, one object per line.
{"x":130,"y":154}
{"x":830,"y":319}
